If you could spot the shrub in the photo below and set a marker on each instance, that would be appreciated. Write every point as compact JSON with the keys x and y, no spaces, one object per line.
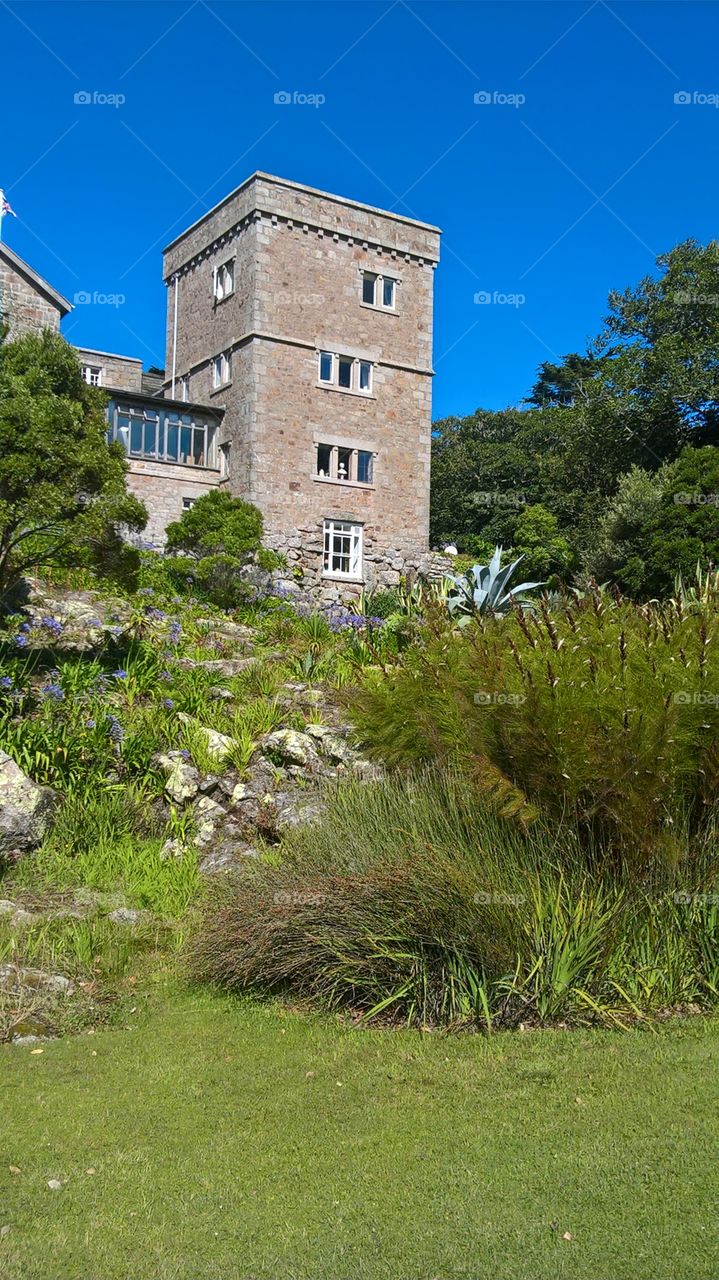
{"x":412,"y":900}
{"x":603,"y":710}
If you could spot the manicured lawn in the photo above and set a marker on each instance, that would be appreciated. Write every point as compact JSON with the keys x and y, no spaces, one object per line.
{"x":400,"y":1157}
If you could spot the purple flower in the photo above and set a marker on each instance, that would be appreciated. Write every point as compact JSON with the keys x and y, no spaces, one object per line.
{"x":52,"y":691}
{"x":146,"y":591}
{"x":52,"y":625}
{"x":168,"y":703}
{"x":89,"y":724}
{"x":116,"y":731}
{"x":165,"y":675}
{"x":120,"y":674}
{"x":6,"y":682}
{"x":185,"y":753}
{"x":151,"y":612}
{"x":95,"y":622}
{"x":21,"y":641}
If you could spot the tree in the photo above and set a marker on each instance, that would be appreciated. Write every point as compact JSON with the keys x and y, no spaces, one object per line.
{"x":63,"y":499}
{"x":684,"y":530}
{"x":620,"y":550}
{"x":561,"y":385}
{"x":547,"y":553}
{"x":220,"y":534}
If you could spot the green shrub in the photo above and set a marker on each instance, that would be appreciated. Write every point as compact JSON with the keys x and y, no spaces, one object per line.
{"x":413,"y":900}
{"x":603,"y":711}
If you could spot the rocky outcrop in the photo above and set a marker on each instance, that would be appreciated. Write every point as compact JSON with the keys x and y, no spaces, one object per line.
{"x":26,"y":810}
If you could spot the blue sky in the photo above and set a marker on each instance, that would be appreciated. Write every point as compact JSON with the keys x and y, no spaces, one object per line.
{"x":556,"y":200}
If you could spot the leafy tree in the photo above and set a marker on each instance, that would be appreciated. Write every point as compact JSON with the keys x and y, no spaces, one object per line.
{"x":562,"y":385}
{"x":684,"y":530}
{"x":620,"y":550}
{"x":220,"y":534}
{"x":217,"y":524}
{"x":63,"y":499}
{"x":547,"y":553}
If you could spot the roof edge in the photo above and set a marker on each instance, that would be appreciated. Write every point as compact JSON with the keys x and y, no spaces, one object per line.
{"x":40,"y":283}
{"x":299,"y":186}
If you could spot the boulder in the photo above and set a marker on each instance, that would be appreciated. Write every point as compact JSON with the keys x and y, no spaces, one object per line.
{"x":291,"y":747}
{"x":218,"y":744}
{"x":26,"y":810}
{"x":182,"y":779}
{"x":14,"y":978}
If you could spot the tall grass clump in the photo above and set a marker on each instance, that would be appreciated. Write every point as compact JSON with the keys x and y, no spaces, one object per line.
{"x":415,"y":900}
{"x":599,"y":711}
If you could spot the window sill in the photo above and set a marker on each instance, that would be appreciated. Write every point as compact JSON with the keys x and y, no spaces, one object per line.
{"x":217,"y":302}
{"x":385,"y":311}
{"x":346,"y":391}
{"x":342,"y":577}
{"x":216,"y":390}
{"x":346,"y":484}
{"x":173,"y":462}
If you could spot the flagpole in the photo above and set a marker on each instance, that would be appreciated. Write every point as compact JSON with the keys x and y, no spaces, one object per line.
{"x":2,"y":210}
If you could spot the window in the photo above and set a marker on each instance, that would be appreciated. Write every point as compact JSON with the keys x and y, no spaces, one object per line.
{"x":379,"y":291}
{"x":92,"y":374}
{"x":343,"y":549}
{"x":223,"y":280}
{"x":188,"y":503}
{"x":166,"y":435}
{"x":222,"y":369}
{"x":345,"y":372}
{"x":340,"y":462}
{"x":184,"y":389}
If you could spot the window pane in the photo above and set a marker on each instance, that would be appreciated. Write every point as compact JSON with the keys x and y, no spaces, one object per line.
{"x":364,"y":467}
{"x":387,"y":293}
{"x":136,"y":435}
{"x":325,"y":366}
{"x":172,"y":441}
{"x":198,"y":447}
{"x":151,"y":438}
{"x":368,"y":287}
{"x":185,"y":444}
{"x":324,"y":459}
{"x":228,"y":367}
{"x":365,"y":375}
{"x":230,"y":276}
{"x":345,"y":375}
{"x":344,"y":464}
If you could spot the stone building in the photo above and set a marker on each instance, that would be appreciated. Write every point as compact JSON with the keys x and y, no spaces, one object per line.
{"x":27,"y":302}
{"x":307,"y":318}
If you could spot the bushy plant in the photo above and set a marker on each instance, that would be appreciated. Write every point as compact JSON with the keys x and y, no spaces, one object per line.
{"x":602,"y":710}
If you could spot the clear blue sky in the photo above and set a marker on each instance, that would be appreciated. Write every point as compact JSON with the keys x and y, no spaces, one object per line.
{"x":559,"y":199}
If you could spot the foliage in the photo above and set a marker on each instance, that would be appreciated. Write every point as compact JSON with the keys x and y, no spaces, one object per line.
{"x":62,"y":486}
{"x":537,"y":540}
{"x":217,"y":524}
{"x":485,"y":590}
{"x":601,"y":710}
{"x":413,"y":900}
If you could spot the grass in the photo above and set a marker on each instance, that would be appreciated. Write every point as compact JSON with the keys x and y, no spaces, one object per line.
{"x":229,"y":1140}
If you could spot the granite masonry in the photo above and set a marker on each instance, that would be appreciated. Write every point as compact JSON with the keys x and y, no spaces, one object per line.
{"x":27,"y":302}
{"x":298,"y":376}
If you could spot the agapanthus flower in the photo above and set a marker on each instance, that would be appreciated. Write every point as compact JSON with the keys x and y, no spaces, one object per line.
{"x":120,"y":674}
{"x":6,"y":682}
{"x":21,"y":640}
{"x":116,"y":731}
{"x":89,"y":724}
{"x":52,"y":691}
{"x":168,"y":703}
{"x":52,"y":625}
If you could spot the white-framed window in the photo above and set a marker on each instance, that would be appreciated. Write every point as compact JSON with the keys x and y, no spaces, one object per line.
{"x":379,"y":291}
{"x":340,"y":462}
{"x":342,"y":549}
{"x":188,"y":503}
{"x":223,"y":280}
{"x":92,"y":374}
{"x":346,"y":372}
{"x":222,"y":369}
{"x":184,"y":388}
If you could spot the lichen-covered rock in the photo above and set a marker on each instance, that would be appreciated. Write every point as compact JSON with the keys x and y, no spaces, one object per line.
{"x":209,"y":815}
{"x":218,"y":744}
{"x":15,"y":915}
{"x":15,"y":978}
{"x":182,"y":781}
{"x":26,"y":810}
{"x":291,"y":747}
{"x":331,"y":744}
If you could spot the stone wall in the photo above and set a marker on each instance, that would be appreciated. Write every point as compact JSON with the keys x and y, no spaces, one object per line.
{"x":122,"y":372}
{"x":22,"y":305}
{"x":162,"y":486}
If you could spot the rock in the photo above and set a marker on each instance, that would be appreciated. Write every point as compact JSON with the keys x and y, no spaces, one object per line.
{"x":210,"y":782}
{"x":297,"y":811}
{"x":218,"y":744}
{"x":128,"y":916}
{"x":14,"y":978}
{"x":291,"y":746}
{"x":330,"y":744}
{"x":209,"y":815}
{"x":182,"y":779}
{"x":26,"y":810}
{"x":240,"y":792}
{"x":367,"y":770}
{"x":55,"y":1184}
{"x":17,"y":917}
{"x":172,"y":848}
{"x":225,"y":858}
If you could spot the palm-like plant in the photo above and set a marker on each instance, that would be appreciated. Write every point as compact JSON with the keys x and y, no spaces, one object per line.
{"x":485,"y":589}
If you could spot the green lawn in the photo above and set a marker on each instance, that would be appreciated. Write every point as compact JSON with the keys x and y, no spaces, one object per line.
{"x":400,"y":1157}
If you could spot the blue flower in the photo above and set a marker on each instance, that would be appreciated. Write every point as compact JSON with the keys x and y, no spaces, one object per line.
{"x":21,"y":641}
{"x":116,"y":731}
{"x":165,"y":675}
{"x":6,"y":682}
{"x":89,"y":724}
{"x":120,"y":674}
{"x":168,"y":703}
{"x":52,"y":691}
{"x":52,"y":625}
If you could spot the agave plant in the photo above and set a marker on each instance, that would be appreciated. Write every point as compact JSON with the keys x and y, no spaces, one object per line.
{"x":485,"y":589}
